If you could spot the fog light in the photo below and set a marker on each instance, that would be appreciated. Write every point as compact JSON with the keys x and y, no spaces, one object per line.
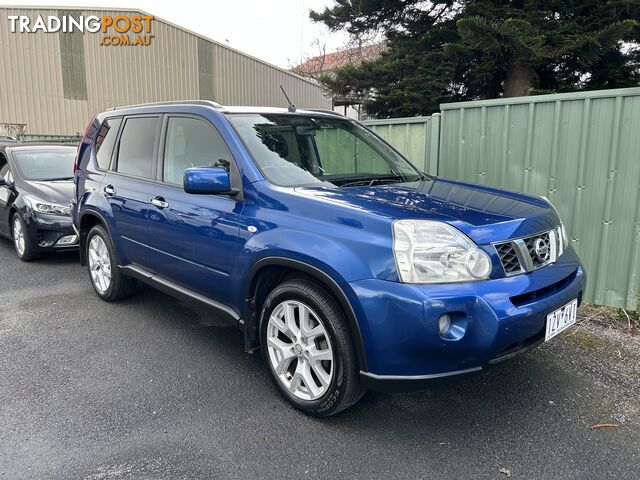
{"x":67,"y":240}
{"x":444,"y":324}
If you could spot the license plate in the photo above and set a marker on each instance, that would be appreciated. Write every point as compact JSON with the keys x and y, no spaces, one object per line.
{"x":561,"y":319}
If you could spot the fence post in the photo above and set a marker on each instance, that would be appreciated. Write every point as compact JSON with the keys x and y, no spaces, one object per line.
{"x":433,"y":159}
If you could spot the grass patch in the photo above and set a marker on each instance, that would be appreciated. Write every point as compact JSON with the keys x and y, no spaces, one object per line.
{"x":617,"y":318}
{"x":588,"y":340}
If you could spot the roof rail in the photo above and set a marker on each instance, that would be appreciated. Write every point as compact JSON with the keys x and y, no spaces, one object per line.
{"x":206,"y":103}
{"x":324,"y":110}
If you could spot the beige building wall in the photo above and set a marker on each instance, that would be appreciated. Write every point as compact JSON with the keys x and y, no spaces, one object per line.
{"x":31,"y":74}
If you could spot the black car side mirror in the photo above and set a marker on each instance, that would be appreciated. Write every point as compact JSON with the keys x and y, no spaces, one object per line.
{"x":3,"y":182}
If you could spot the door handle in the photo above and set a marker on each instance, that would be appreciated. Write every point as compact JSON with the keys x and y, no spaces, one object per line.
{"x":159,"y":202}
{"x":110,"y":190}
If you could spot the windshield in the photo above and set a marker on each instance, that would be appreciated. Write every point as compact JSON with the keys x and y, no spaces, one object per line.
{"x":297,"y":150}
{"x":45,"y":165}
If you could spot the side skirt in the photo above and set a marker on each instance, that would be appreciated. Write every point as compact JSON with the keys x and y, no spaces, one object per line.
{"x":166,"y":286}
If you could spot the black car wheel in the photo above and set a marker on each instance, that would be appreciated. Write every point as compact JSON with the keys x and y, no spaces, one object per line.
{"x":21,"y":241}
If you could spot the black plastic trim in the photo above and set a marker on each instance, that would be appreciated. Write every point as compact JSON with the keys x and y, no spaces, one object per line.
{"x":175,"y":290}
{"x":82,"y":236}
{"x":326,"y":280}
{"x":400,"y":383}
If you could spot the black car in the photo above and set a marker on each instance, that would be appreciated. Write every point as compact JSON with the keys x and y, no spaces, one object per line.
{"x":36,"y":186}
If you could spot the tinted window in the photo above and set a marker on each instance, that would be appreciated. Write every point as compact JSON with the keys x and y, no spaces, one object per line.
{"x":45,"y":164}
{"x":105,"y":141}
{"x":135,"y":154}
{"x":192,"y":143}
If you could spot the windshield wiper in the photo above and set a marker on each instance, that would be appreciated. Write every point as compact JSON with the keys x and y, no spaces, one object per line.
{"x":370,"y":182}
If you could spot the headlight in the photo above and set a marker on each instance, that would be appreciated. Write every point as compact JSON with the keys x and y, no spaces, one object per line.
{"x":434,"y":252}
{"x":563,"y":230}
{"x":49,"y":208}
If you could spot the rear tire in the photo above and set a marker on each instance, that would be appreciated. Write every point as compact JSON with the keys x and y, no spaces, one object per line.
{"x":106,"y":278}
{"x":307,"y":346}
{"x":21,"y":240}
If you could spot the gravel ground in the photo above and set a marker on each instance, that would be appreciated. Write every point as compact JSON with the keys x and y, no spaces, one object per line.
{"x":150,"y":388}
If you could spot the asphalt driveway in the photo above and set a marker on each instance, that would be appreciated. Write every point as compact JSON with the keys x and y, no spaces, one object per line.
{"x":149,"y":388}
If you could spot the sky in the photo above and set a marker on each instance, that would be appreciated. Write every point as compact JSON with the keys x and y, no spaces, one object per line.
{"x":278,"y":31}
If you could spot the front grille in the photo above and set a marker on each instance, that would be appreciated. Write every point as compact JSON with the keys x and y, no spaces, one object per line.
{"x":530,"y":253}
{"x":509,"y":258}
{"x":543,"y":241}
{"x":530,"y":297}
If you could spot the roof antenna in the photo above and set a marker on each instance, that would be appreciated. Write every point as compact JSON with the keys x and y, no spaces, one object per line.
{"x":291,"y":108}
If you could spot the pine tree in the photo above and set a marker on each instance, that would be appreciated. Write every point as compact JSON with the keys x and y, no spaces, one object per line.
{"x":442,"y":51}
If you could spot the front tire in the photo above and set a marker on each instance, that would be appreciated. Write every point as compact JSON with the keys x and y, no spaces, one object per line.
{"x":106,"y":278}
{"x":21,"y":240}
{"x":307,"y":346}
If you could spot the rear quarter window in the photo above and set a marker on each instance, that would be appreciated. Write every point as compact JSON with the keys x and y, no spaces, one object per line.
{"x":106,"y":141}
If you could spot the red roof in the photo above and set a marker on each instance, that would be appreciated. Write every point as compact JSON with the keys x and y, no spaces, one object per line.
{"x":331,"y":61}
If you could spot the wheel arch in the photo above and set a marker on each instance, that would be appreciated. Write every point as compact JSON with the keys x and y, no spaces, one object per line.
{"x":12,"y":211}
{"x":88,"y":220}
{"x":253,"y":306}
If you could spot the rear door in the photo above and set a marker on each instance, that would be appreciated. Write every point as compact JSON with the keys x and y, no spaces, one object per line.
{"x":127,"y":185}
{"x":193,"y":238}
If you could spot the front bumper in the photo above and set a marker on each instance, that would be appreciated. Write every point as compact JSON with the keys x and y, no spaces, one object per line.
{"x":46,"y":231}
{"x":495,"y":320}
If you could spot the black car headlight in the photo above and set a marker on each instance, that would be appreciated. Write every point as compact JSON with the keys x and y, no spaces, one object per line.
{"x":48,"y":208}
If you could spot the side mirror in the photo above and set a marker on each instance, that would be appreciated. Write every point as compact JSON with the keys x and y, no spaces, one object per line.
{"x":207,"y":181}
{"x":3,"y":181}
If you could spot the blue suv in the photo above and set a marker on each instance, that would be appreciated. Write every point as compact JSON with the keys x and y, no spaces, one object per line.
{"x":345,"y":265}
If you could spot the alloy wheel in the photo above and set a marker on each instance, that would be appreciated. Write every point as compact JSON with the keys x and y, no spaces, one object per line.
{"x":19,"y":236}
{"x":300,"y":350}
{"x":99,"y":264}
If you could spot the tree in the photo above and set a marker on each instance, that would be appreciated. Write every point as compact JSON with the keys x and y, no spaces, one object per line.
{"x":440,"y":51}
{"x":314,"y":64}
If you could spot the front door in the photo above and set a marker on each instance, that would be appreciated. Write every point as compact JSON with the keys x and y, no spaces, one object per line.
{"x":193,"y":238}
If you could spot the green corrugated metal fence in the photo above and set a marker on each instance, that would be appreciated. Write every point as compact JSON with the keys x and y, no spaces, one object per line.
{"x":416,"y":138}
{"x":33,"y":137}
{"x":582,"y":150}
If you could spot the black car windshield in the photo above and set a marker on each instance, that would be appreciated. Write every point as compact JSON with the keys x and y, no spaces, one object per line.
{"x":297,"y":150}
{"x":38,"y":164}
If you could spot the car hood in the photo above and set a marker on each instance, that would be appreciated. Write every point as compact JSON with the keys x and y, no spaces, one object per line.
{"x":484,"y":214}
{"x":56,"y":191}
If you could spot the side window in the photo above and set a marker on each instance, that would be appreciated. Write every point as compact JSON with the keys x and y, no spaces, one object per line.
{"x":106,"y":140}
{"x":137,"y":142}
{"x":192,"y":143}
